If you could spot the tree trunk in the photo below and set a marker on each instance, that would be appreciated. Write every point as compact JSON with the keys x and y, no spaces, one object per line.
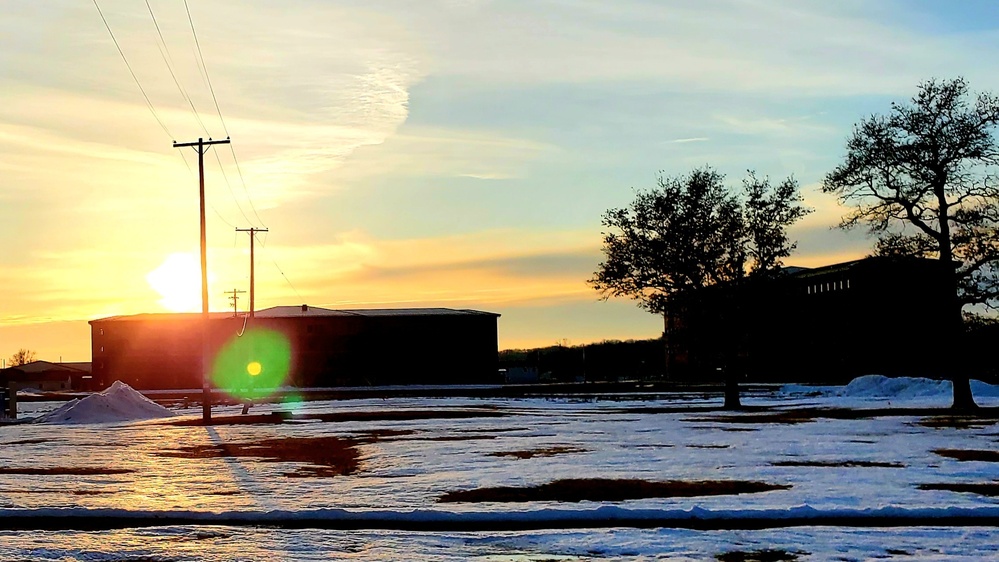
{"x":668,"y":343}
{"x":963,"y":399}
{"x":732,"y":401}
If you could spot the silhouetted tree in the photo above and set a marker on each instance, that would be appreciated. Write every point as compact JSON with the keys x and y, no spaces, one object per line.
{"x":22,"y":357}
{"x":770,"y":210}
{"x":923,"y":179}
{"x":690,"y":233}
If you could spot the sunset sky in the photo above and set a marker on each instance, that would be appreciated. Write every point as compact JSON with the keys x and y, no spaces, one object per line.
{"x":454,"y":153}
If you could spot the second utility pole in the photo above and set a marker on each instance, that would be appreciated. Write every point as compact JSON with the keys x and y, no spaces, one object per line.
{"x":253,"y":232}
{"x":206,"y":398}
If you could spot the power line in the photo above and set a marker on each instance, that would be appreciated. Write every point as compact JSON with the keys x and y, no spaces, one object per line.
{"x":130,"y":71}
{"x":248,"y":198}
{"x":203,"y":65}
{"x":229,"y":187}
{"x":286,"y":280}
{"x":190,"y":172}
{"x":221,"y":218}
{"x":168,"y":60}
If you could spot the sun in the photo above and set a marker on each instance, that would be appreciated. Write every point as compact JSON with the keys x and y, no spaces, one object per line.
{"x":178,"y":281}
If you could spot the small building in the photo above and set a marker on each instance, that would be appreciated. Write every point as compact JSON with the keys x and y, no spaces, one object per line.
{"x":42,"y":376}
{"x":327,"y":347}
{"x":46,"y":376}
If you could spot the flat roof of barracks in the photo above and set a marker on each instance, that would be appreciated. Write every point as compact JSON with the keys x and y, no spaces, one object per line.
{"x":307,"y":311}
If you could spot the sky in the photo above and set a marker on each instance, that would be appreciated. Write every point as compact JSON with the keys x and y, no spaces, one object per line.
{"x":455,"y":153}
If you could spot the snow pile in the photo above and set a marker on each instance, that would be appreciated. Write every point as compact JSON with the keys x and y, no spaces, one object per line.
{"x":878,"y":386}
{"x":119,"y":403}
{"x":981,"y":389}
{"x":898,"y":388}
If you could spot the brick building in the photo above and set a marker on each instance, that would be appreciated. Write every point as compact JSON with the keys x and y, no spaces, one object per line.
{"x":326,"y":347}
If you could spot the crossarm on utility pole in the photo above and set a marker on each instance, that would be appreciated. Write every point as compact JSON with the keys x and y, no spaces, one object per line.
{"x":234,"y":299}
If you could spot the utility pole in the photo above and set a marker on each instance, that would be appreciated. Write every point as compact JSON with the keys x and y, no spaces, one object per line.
{"x":253,"y":232}
{"x":206,"y":399}
{"x":234,"y":299}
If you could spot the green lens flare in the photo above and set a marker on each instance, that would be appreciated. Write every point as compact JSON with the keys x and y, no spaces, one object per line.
{"x":292,"y":402}
{"x":252,"y":365}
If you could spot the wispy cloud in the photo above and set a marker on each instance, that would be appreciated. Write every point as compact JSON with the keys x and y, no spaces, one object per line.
{"x":425,"y":152}
{"x":728,"y":45}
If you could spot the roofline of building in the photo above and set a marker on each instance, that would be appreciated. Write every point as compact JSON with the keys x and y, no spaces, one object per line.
{"x":847,"y":265}
{"x":261,"y":314}
{"x":58,"y":366}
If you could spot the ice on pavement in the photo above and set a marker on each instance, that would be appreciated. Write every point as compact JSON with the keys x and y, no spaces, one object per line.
{"x":118,"y":403}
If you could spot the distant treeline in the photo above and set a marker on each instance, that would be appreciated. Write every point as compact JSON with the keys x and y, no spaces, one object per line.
{"x":604,"y":361}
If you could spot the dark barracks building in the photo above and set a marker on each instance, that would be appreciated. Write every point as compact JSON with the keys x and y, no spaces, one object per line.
{"x":327,"y":347}
{"x":887,"y":316}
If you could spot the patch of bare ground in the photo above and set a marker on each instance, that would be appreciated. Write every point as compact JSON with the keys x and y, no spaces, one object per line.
{"x":990,"y":489}
{"x":452,"y":438}
{"x":788,"y":417}
{"x":494,"y":429}
{"x":60,"y":491}
{"x":546,"y":452}
{"x":64,"y":471}
{"x":957,"y":422}
{"x":731,"y":429}
{"x":325,"y":456}
{"x":382,"y":415}
{"x":765,"y":555}
{"x":668,"y":410}
{"x":968,"y":454}
{"x":609,"y":490}
{"x":411,"y":435}
{"x":27,"y":442}
{"x":142,"y":559}
{"x":385,"y":434}
{"x":844,"y":464}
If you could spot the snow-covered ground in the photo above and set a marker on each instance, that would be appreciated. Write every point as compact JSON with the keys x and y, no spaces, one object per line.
{"x":873,"y":466}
